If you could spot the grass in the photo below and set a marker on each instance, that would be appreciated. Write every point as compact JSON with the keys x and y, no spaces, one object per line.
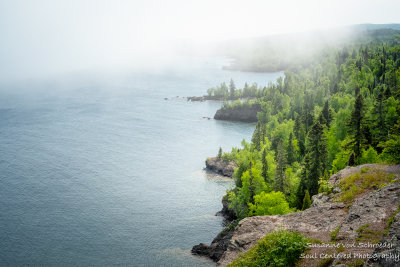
{"x":363,"y":181}
{"x":334,"y":233}
{"x":390,"y":221}
{"x":365,"y":234}
{"x":325,"y":262}
{"x":357,"y":263}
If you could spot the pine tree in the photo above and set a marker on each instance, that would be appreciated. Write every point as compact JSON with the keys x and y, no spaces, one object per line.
{"x":300,"y":134}
{"x":304,"y":182}
{"x":306,"y":201}
{"x":327,"y":114}
{"x":308,"y":109}
{"x":290,"y":151}
{"x":258,"y":135}
{"x":280,"y":169}
{"x":318,"y":155}
{"x":252,"y":189}
{"x":357,"y":126}
{"x":232,"y":88}
{"x":219,"y":153}
{"x":378,"y":115}
{"x":264,"y":171}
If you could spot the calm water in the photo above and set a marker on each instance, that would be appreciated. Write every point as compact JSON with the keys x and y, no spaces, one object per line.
{"x":100,"y":170}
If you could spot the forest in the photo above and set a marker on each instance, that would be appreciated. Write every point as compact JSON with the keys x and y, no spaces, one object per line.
{"x":339,"y":108}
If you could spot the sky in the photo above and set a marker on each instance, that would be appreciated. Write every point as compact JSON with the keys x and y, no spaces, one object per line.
{"x":45,"y":37}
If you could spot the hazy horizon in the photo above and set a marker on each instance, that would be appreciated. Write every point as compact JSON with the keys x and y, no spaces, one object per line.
{"x":44,"y":38}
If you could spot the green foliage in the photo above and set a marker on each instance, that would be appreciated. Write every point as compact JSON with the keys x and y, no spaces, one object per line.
{"x":369,"y":156}
{"x":356,"y":184}
{"x":280,"y":248}
{"x":341,"y":107}
{"x":306,"y":201}
{"x":391,"y":151}
{"x":219,"y":153}
{"x":269,"y":204}
{"x":334,"y":233}
{"x":324,"y":185}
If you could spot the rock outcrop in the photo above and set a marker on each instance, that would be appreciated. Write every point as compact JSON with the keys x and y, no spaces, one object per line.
{"x":218,"y":246}
{"x":386,"y":255}
{"x":226,"y":212}
{"x":220,"y":166}
{"x":244,"y":113}
{"x":364,"y":220}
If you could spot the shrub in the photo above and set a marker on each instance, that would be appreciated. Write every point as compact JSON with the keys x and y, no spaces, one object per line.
{"x":280,"y":248}
{"x":269,"y":204}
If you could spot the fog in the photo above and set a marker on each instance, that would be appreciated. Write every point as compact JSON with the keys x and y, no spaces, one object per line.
{"x":43,"y":38}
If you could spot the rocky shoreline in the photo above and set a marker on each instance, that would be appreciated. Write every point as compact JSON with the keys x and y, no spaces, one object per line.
{"x":220,"y":166}
{"x":244,"y":113}
{"x":372,"y":211}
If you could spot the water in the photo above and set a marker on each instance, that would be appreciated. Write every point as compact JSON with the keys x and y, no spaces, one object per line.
{"x":100,"y":170}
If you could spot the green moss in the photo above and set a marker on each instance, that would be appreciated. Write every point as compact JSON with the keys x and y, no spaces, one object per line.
{"x":325,"y":262}
{"x":358,"y":183}
{"x":280,"y":248}
{"x":340,"y":248}
{"x":366,"y":234}
{"x":390,"y":221}
{"x":357,"y":263}
{"x":334,"y":233}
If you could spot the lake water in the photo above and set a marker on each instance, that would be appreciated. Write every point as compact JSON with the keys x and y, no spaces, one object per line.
{"x":100,"y":170}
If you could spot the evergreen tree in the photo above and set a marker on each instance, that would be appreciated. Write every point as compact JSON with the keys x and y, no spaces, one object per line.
{"x":252,"y":188}
{"x":219,"y":153}
{"x":378,"y":116}
{"x":258,"y":135}
{"x":308,"y":109}
{"x":300,"y":134}
{"x":304,"y":182}
{"x":357,"y":126}
{"x":280,"y":169}
{"x":232,"y":88}
{"x":327,"y":114}
{"x":306,"y":201}
{"x":264,"y":171}
{"x":290,"y":151}
{"x":318,"y":156}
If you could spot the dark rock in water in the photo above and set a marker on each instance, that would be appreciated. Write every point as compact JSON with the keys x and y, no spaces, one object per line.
{"x":218,"y":246}
{"x":221,"y":166}
{"x":226,"y":212}
{"x":244,"y":113}
{"x":165,"y":98}
{"x":196,"y":98}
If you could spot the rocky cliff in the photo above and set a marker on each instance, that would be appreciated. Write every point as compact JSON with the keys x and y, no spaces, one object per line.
{"x":244,"y":113}
{"x":366,"y":219}
{"x":220,"y":166}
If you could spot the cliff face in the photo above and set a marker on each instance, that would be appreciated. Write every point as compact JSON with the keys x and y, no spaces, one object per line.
{"x":221,"y":166}
{"x":242,"y":113}
{"x":364,"y":220}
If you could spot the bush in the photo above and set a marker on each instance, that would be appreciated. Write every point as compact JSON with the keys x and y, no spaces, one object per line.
{"x":280,"y":248}
{"x":369,"y":156}
{"x":269,"y":204}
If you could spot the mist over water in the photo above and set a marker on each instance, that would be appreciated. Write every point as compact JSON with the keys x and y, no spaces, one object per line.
{"x":100,"y":170}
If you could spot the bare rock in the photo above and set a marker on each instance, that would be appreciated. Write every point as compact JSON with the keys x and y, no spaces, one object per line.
{"x":388,"y":254}
{"x":220,"y":166}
